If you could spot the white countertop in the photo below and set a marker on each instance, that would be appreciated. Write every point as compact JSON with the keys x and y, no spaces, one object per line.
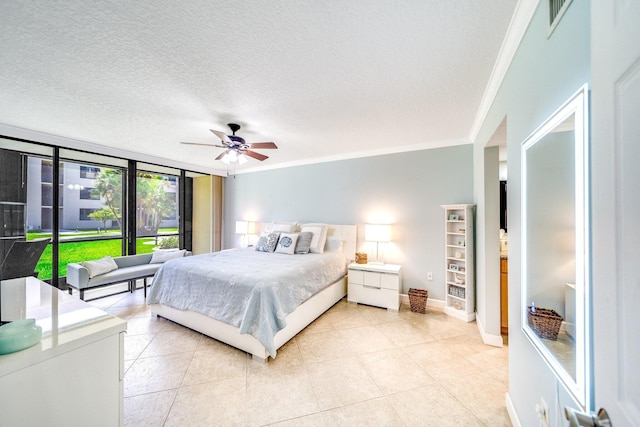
{"x":67,"y":322}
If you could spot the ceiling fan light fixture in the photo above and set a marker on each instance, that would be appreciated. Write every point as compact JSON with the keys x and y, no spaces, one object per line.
{"x":236,"y":148}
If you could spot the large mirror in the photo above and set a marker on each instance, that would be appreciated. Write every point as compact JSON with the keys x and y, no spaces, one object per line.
{"x":555,"y":243}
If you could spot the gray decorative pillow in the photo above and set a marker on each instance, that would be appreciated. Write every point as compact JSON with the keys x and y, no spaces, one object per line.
{"x":319,"y":236}
{"x":267,"y":242}
{"x":304,"y":242}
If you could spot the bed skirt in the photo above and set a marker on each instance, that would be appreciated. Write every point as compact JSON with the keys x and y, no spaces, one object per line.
{"x":306,"y":313}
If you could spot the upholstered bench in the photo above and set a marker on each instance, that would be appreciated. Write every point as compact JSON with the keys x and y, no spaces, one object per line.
{"x":109,"y":271}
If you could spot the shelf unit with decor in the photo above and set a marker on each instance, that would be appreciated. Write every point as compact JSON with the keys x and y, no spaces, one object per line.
{"x":459,"y":261}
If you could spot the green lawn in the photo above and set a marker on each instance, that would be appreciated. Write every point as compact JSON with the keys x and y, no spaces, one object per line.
{"x":71,"y":251}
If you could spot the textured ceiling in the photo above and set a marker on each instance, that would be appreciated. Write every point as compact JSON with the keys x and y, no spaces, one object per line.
{"x":324,"y":79}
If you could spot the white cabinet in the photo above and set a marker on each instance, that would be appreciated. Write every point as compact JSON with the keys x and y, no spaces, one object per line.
{"x":377,"y":285}
{"x":459,"y":261}
{"x":74,"y":375}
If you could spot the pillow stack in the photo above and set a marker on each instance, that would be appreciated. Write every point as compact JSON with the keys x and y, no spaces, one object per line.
{"x":282,"y":238}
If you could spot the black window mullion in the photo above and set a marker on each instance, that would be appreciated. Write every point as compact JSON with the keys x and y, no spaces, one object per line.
{"x":55,"y":218}
{"x":124,"y":212}
{"x":131,"y":207}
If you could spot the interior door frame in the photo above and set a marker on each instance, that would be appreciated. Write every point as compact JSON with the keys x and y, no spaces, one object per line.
{"x":615,"y":69}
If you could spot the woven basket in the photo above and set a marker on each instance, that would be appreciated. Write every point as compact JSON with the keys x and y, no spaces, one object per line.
{"x":545,"y":322}
{"x":418,"y":300}
{"x":361,"y":258}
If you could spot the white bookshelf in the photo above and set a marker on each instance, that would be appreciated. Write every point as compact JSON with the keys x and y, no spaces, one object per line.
{"x":459,"y":262}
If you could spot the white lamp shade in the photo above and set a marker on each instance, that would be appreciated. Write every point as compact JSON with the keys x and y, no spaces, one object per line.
{"x":242,"y":227}
{"x":245,"y":227}
{"x":377,"y":233}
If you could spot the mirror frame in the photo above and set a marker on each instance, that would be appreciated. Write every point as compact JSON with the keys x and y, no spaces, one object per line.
{"x":580,"y":388}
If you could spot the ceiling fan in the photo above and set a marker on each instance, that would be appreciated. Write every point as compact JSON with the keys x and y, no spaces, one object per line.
{"x":236,"y":148}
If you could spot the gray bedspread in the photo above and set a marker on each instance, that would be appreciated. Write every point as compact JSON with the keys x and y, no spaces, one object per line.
{"x":251,"y":290}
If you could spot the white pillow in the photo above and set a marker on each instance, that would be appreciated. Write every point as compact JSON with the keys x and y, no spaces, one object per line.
{"x":334,"y":244}
{"x":287,"y":243}
{"x":319,"y":236}
{"x":159,"y":257}
{"x":101,"y":266}
{"x":283,"y":227}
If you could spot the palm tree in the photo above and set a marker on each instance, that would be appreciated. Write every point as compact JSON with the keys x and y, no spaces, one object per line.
{"x":108,"y":185}
{"x":153,"y":203}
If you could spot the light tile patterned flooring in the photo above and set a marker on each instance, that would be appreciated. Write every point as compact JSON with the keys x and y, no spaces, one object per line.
{"x":354,"y":366}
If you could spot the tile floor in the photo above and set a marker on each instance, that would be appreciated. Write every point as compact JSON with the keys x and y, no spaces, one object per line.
{"x":354,"y":366}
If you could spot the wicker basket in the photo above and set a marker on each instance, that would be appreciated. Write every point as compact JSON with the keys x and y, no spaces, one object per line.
{"x":545,"y":322}
{"x":418,"y":300}
{"x":361,"y":258}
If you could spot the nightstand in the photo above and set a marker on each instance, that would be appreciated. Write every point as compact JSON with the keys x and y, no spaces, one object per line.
{"x":375,"y":284}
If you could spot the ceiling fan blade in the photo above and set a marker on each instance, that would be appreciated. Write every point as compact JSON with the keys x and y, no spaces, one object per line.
{"x":222,"y":155}
{"x":222,"y":136}
{"x":206,"y":145}
{"x":255,"y":155}
{"x":263,"y":145}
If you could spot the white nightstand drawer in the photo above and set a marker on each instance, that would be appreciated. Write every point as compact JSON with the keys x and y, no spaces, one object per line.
{"x":356,"y":276}
{"x":371,"y":280}
{"x":390,"y":281}
{"x":374,"y":296}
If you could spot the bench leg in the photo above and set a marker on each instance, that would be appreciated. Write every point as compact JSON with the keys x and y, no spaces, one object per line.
{"x":82,"y":294}
{"x":145,"y":287}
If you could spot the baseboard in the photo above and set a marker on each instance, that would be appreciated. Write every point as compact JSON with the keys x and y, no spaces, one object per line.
{"x":489,"y":339}
{"x":437,"y":303}
{"x":511,"y":410}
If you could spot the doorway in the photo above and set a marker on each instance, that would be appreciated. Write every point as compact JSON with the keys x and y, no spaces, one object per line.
{"x":496,"y":238}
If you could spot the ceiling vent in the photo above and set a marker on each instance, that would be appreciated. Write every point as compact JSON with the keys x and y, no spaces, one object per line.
{"x":557,"y":8}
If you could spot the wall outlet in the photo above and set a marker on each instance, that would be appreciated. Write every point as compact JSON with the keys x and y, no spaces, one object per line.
{"x":542,"y":409}
{"x":429,"y":276}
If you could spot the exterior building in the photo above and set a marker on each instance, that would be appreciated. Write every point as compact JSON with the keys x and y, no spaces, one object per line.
{"x":77,"y":198}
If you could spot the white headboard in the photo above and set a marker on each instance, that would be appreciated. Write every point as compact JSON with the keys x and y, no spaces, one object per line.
{"x":348,"y":234}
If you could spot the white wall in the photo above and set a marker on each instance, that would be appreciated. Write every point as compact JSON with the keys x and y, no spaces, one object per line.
{"x":545,"y":72}
{"x":405,"y":189}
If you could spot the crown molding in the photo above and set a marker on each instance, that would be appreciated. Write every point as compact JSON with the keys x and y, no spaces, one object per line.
{"x":357,"y":155}
{"x":517,"y":27}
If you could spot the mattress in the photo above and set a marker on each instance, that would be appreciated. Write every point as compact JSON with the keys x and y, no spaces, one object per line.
{"x":248,"y":289}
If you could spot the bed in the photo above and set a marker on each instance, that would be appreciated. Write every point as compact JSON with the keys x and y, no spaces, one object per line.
{"x":254,"y":301}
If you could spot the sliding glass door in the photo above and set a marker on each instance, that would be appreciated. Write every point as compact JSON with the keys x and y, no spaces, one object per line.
{"x":89,"y":205}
